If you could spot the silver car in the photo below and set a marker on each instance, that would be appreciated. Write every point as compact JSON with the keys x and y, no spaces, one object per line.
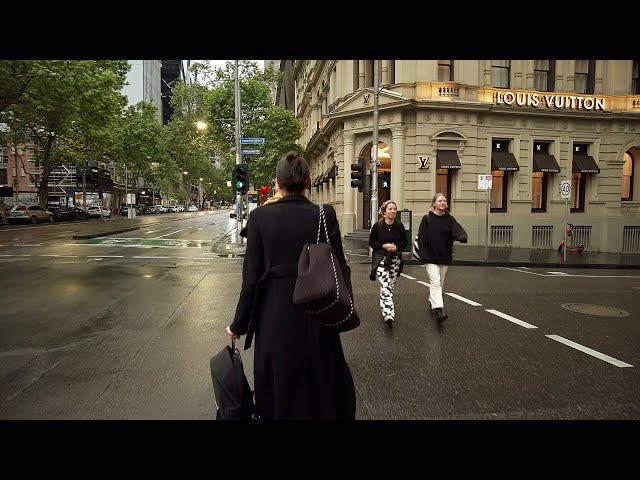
{"x":32,"y":213}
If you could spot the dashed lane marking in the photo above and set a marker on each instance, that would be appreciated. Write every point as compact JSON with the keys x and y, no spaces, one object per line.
{"x":510,"y":318}
{"x":423,"y":283}
{"x":14,"y":255}
{"x":589,"y":351}
{"x":568,"y":275}
{"x":105,"y":256}
{"x":171,"y":233}
{"x":466,"y":300}
{"x":407,"y":276}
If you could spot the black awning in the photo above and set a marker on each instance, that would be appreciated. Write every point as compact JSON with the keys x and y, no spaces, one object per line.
{"x":585,"y":164}
{"x":320,"y":179}
{"x":447,"y":159}
{"x":504,"y":161}
{"x":331,"y":172}
{"x":545,"y":163}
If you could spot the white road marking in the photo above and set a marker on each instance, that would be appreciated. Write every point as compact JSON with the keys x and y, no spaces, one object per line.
{"x":589,"y":351}
{"x":424,"y":283}
{"x":407,"y":276}
{"x":105,"y":256}
{"x":511,"y":319}
{"x":27,"y":245}
{"x":167,"y":234}
{"x":65,"y":256}
{"x":6,"y":255}
{"x":466,"y":300}
{"x":357,"y":254}
{"x":569,"y":275}
{"x":148,"y":257}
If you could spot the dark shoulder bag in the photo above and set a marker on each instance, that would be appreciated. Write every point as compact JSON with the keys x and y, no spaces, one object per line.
{"x":320,"y":286}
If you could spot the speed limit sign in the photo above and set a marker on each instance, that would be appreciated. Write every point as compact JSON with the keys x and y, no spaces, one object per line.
{"x":565,"y":189}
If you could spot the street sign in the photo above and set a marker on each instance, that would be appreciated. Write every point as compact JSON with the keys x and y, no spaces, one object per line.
{"x":251,"y":141}
{"x":485,"y":182}
{"x":228,"y":183}
{"x":251,"y":151}
{"x":565,"y":189}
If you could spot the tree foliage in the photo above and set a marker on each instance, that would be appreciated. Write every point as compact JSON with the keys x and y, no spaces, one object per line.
{"x":68,"y":109}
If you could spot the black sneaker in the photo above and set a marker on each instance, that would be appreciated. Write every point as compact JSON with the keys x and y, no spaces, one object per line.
{"x":440,"y":315}
{"x":372,"y":276}
{"x":388,"y":320}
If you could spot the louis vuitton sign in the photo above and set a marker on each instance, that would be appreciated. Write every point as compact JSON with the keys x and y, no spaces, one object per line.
{"x":551,"y":101}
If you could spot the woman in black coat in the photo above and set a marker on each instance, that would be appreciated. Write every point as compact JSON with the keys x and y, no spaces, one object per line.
{"x":299,"y":367}
{"x":436,"y":234}
{"x":387,"y":239}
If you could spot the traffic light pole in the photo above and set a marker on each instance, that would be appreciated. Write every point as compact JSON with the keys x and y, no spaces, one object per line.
{"x":374,"y":152}
{"x":238,"y":156}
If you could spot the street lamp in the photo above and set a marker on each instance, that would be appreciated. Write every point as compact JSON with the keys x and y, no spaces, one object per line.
{"x":188,"y":190}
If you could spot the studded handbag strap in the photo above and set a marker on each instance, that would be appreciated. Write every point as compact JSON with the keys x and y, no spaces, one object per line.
{"x":322,"y":221}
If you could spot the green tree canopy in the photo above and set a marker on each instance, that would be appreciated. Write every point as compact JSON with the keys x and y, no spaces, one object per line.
{"x":69,"y":109}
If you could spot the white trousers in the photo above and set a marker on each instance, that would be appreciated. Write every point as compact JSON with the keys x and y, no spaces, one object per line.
{"x":436,"y":282}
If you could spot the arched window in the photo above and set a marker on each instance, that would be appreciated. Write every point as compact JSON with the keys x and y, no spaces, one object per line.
{"x":627,"y":178}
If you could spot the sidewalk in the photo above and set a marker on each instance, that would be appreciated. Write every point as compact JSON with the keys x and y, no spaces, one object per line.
{"x":522,"y":257}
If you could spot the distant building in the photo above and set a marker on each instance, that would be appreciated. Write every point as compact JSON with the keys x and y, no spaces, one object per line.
{"x":144,"y":84}
{"x":172,"y":71}
{"x":285,"y":93}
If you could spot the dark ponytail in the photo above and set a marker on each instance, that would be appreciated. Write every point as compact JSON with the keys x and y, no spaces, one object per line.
{"x":292,"y":172}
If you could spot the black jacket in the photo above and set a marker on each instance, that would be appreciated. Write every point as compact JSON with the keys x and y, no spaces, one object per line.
{"x":379,"y":236}
{"x":435,"y":238}
{"x":299,"y":367}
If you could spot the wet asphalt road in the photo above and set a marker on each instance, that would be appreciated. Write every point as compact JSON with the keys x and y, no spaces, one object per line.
{"x":123,"y":328}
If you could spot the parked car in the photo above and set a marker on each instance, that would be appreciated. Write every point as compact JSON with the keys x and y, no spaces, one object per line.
{"x":32,"y":213}
{"x":173,"y":209}
{"x":97,"y":211}
{"x":180,"y":208}
{"x":124,"y":210}
{"x":192,"y":208}
{"x":158,"y":209}
{"x":69,"y":213}
{"x":143,"y":209}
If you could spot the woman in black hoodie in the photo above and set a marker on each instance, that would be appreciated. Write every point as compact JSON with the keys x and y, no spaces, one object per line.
{"x":436,"y":234}
{"x":387,"y":239}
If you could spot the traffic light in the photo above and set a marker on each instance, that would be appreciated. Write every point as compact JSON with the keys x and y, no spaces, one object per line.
{"x":357,"y":174}
{"x":240,"y":178}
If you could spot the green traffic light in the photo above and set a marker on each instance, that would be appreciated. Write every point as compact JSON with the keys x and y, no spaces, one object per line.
{"x":239,"y":185}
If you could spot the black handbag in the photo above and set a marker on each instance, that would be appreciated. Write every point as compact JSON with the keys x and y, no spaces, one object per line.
{"x":234,"y":397}
{"x":320,"y":286}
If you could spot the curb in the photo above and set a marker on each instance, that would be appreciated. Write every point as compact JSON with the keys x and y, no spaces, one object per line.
{"x":103,"y":234}
{"x":113,"y":232}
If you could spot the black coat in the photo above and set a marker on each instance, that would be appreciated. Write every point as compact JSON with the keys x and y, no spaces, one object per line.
{"x":378,"y":237}
{"x":299,"y":367}
{"x":435,"y":238}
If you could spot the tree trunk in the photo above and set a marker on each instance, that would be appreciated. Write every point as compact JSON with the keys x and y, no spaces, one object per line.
{"x":43,"y":188}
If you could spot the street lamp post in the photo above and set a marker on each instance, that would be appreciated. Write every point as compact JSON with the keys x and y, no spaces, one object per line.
{"x":186,"y":180}
{"x":238,"y":153}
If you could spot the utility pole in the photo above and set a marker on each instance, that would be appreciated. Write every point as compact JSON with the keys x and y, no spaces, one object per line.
{"x":84,"y":186}
{"x":238,"y":154}
{"x":374,"y":151}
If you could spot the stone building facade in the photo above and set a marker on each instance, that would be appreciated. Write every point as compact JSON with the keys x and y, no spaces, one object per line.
{"x":531,"y":124}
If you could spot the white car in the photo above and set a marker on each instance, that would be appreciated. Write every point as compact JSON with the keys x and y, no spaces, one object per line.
{"x":192,"y":208}
{"x":95,"y":212}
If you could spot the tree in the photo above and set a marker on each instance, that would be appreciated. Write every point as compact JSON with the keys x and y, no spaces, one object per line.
{"x":260,"y":118}
{"x":69,"y":111}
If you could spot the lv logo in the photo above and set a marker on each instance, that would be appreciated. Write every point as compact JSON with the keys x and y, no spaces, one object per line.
{"x":424,"y":162}
{"x":366,"y":97}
